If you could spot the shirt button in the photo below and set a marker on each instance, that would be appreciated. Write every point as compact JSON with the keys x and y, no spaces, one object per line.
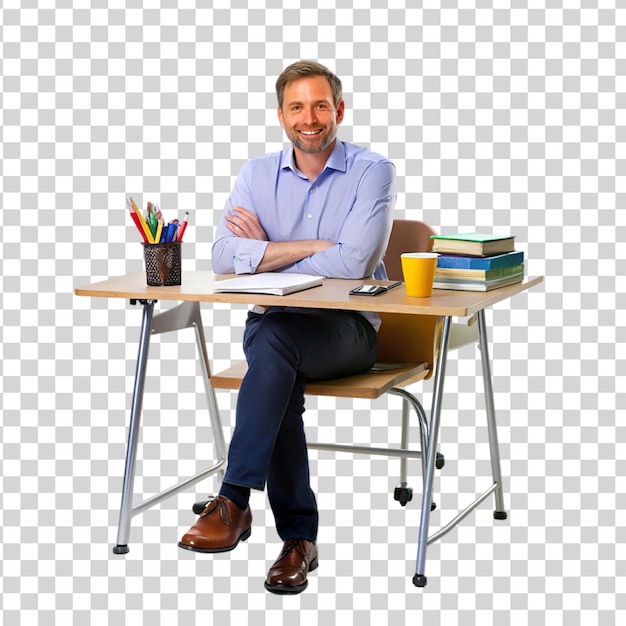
{"x":312,"y":190}
{"x":309,"y":216}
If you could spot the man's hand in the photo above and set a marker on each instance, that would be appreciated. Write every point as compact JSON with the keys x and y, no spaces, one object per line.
{"x":244,"y":223}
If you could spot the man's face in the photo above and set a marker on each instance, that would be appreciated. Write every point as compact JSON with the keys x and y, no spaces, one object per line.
{"x":308,"y":114}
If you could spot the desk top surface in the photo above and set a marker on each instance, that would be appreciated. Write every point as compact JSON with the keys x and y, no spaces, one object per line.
{"x":333,"y":294}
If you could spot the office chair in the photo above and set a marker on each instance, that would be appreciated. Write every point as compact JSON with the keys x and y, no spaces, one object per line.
{"x":407,"y":353}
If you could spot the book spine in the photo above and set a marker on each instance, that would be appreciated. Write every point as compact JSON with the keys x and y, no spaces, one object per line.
{"x":460,"y":274}
{"x":459,"y":286}
{"x":472,"y":237}
{"x":477,"y":285}
{"x":476,"y":263}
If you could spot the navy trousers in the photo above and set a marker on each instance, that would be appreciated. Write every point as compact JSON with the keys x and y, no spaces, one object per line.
{"x":284,"y":348}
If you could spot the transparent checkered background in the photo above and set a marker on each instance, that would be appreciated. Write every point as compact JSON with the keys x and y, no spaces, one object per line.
{"x":503,"y":116}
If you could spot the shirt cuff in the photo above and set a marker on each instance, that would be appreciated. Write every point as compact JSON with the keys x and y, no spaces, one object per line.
{"x":247,"y":260}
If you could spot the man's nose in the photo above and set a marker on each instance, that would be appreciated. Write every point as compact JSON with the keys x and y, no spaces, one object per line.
{"x":310,"y":116}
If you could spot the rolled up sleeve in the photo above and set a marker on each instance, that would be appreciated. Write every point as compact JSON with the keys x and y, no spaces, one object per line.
{"x":232,"y":254}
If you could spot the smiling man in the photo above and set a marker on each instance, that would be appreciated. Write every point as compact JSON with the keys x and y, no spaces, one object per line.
{"x":319,"y":207}
{"x":311,"y":131}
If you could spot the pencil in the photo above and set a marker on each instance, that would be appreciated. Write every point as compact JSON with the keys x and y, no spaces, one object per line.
{"x":181,"y":232}
{"x":142,"y":221}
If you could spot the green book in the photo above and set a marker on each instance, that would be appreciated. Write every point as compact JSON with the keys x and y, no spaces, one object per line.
{"x":473,"y":244}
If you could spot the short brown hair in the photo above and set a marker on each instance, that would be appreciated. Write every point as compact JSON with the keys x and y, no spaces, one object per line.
{"x":306,"y":69}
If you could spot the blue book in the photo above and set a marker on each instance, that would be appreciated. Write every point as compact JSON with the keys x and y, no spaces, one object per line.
{"x":480,"y":263}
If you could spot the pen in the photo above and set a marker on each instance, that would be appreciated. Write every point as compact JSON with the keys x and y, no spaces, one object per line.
{"x":171,"y":231}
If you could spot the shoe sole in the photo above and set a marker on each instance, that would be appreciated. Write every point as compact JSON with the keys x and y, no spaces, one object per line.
{"x":243,"y":537}
{"x":284,"y":590}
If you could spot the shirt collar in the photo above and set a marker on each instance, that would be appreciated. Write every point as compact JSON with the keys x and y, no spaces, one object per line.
{"x":336,"y":160}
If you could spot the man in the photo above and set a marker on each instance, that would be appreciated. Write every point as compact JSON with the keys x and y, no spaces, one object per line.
{"x":319,"y":207}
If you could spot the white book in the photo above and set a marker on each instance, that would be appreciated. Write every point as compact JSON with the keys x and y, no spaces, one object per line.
{"x":477,"y":285}
{"x":273,"y":283}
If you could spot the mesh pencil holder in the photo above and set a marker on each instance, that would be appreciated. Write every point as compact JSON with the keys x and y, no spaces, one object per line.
{"x":163,"y":264}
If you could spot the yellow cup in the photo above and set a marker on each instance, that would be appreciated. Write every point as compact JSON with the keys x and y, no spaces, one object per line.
{"x":418,"y":269}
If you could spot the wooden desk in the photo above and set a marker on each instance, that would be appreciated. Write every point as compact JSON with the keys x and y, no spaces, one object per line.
{"x":333,"y":294}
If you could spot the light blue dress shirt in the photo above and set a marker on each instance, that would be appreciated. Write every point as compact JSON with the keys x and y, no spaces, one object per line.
{"x":350,"y":203}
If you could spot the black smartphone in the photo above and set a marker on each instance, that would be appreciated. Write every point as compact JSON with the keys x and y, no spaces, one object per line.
{"x":372,"y":290}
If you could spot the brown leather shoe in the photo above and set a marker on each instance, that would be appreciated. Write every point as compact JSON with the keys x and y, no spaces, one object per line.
{"x":289,"y":572}
{"x":220,"y":527}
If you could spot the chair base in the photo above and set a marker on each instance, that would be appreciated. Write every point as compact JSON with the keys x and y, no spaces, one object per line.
{"x":419,"y":580}
{"x":403,"y":494}
{"x":199,"y":507}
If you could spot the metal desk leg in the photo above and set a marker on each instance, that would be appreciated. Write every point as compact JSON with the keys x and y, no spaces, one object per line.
{"x":214,"y":414}
{"x":126,"y":512}
{"x":185,"y":315}
{"x":419,"y":580}
{"x":496,"y":487}
{"x":494,"y":448}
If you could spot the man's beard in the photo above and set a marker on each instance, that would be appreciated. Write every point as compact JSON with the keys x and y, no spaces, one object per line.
{"x":309,"y":147}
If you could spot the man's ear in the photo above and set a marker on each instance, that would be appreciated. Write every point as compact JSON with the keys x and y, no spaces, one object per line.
{"x":279,"y":112}
{"x":340,"y":111}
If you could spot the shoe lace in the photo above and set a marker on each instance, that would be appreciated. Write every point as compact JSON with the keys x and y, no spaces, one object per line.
{"x":212,"y":499}
{"x":290,"y":544}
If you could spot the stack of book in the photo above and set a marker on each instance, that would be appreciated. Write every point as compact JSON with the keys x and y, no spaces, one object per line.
{"x":476,"y":262}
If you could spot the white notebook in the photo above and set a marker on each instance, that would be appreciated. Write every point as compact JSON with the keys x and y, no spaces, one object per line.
{"x":273,"y":283}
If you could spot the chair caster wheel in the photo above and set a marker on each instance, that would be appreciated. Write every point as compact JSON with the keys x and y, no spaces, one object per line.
{"x":403,"y":495}
{"x":121,"y":549}
{"x":420,"y":580}
{"x":440,"y":461}
{"x":199,"y":507}
{"x":500,"y":515}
